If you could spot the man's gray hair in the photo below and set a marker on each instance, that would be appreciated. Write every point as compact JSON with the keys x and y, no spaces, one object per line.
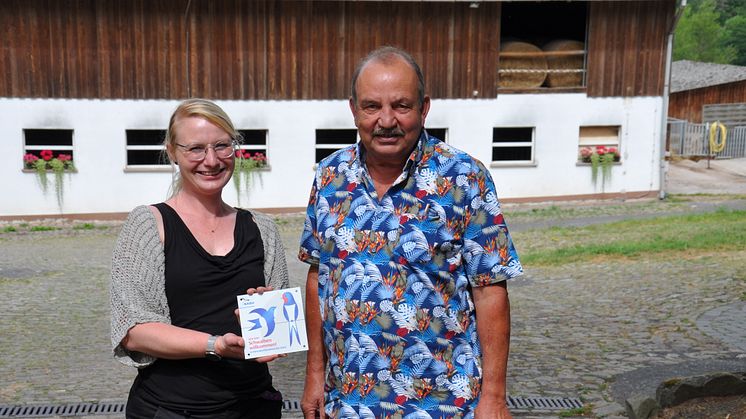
{"x":387,"y":55}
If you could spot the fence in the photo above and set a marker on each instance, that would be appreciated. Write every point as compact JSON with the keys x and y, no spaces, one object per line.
{"x":693,"y":140}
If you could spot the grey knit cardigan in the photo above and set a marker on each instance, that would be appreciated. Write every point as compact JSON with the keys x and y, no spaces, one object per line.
{"x":138,"y":291}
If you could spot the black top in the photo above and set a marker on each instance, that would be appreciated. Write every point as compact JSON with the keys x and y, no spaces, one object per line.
{"x":201,"y":291}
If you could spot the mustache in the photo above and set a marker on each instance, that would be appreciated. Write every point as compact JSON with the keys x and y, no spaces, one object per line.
{"x":388,"y":132}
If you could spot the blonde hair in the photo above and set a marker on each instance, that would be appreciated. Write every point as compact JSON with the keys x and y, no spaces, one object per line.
{"x":201,"y":108}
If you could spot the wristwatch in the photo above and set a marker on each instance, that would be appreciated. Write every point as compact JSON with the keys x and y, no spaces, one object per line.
{"x":210,"y":351}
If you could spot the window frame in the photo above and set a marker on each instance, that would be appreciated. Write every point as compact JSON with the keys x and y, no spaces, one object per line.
{"x":531,"y":144}
{"x":332,"y":146}
{"x":162,"y":167}
{"x":56,"y":148}
{"x":264,"y":149}
{"x":617,"y":143}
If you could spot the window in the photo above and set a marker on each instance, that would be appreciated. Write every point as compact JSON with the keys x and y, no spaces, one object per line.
{"x":40,"y":142}
{"x":599,"y":140}
{"x":513,"y":145}
{"x":255,"y":144}
{"x":439,"y":133}
{"x":145,"y":147}
{"x":330,"y":140}
{"x":542,"y":45}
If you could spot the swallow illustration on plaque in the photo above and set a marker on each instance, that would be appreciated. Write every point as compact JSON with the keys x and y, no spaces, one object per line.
{"x":290,"y":311}
{"x":269,"y":319}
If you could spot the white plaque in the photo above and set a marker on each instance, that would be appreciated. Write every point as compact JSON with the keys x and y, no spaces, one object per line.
{"x":273,"y":323}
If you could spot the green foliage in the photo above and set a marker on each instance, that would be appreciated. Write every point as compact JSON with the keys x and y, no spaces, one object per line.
{"x":595,"y":164}
{"x":58,"y":165}
{"x":580,"y":411}
{"x":42,"y":228}
{"x":9,"y":229}
{"x":243,"y":173}
{"x":735,"y":29}
{"x":84,"y":226}
{"x":730,"y":8}
{"x":41,"y":175}
{"x":721,"y":230}
{"x":58,"y":168}
{"x":602,"y":163}
{"x":701,"y":37}
{"x":607,"y":160}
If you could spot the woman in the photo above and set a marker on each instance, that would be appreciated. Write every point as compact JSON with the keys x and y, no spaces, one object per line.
{"x":177,"y":268}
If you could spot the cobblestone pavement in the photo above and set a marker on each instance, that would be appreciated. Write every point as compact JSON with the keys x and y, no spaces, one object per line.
{"x":575,"y":328}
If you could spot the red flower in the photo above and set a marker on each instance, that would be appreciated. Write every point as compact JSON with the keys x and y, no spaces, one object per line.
{"x":498,"y":219}
{"x":450,"y":334}
{"x":339,"y":325}
{"x":46,"y":155}
{"x":351,"y":187}
{"x":239,"y":154}
{"x":459,"y":401}
{"x":342,"y":254}
{"x":64,"y":157}
{"x":420,"y":194}
{"x":402,"y":260}
{"x":402,"y":332}
{"x":246,"y":154}
{"x":403,"y":219}
{"x":29,"y":158}
{"x":400,"y":399}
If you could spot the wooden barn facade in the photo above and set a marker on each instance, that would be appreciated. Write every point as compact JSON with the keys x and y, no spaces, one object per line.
{"x":523,"y":86}
{"x":695,"y":85}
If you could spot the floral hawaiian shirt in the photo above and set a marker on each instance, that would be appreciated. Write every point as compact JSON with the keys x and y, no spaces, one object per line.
{"x":395,"y":274}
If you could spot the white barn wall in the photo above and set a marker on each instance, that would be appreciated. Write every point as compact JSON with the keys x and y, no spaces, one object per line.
{"x":102,"y":185}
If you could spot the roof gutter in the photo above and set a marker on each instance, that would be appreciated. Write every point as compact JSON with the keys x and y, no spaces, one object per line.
{"x":666,"y":92}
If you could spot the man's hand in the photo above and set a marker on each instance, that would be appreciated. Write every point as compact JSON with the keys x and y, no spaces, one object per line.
{"x":312,"y":402}
{"x":493,"y":327}
{"x":492,"y":409}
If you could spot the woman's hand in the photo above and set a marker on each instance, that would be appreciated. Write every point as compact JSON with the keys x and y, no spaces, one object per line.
{"x":230,"y":345}
{"x":270,"y":358}
{"x":258,"y":290}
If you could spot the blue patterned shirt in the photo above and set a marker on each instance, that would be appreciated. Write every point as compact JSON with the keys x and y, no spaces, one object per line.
{"x":394,"y":280}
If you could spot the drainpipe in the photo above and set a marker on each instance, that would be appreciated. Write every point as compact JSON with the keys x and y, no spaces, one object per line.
{"x":666,"y":91}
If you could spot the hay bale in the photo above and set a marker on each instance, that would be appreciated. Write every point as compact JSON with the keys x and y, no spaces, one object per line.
{"x":538,"y":65}
{"x":570,"y":62}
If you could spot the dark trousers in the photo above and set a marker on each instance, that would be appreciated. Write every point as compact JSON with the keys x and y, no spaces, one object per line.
{"x":268,"y":406}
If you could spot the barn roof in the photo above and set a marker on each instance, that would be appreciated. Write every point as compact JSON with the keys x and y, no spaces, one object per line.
{"x":688,"y":75}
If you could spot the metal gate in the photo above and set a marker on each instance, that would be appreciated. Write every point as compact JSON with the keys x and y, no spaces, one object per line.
{"x":693,"y":140}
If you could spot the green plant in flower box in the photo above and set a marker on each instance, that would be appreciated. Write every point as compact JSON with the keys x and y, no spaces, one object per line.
{"x":46,"y":162}
{"x":246,"y":166}
{"x":602,"y":159}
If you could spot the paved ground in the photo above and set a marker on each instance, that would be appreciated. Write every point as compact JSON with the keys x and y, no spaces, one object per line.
{"x":578,"y":331}
{"x":716,"y":176}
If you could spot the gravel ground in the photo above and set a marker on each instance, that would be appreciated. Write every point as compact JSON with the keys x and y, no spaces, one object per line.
{"x":575,"y":328}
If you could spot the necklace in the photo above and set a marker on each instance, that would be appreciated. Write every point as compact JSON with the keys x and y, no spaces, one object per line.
{"x":215,"y":222}
{"x":218,"y":220}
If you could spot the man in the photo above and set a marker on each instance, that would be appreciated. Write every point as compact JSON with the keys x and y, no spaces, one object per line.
{"x":407,"y":306}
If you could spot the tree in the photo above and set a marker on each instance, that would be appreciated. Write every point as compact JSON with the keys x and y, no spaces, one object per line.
{"x":731,"y":8}
{"x":700,"y":37}
{"x":735,"y":29}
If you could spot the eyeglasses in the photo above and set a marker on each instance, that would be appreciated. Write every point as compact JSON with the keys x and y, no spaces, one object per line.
{"x":198,"y":152}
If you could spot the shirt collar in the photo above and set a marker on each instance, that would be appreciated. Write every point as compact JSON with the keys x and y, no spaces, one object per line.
{"x":414,"y":157}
